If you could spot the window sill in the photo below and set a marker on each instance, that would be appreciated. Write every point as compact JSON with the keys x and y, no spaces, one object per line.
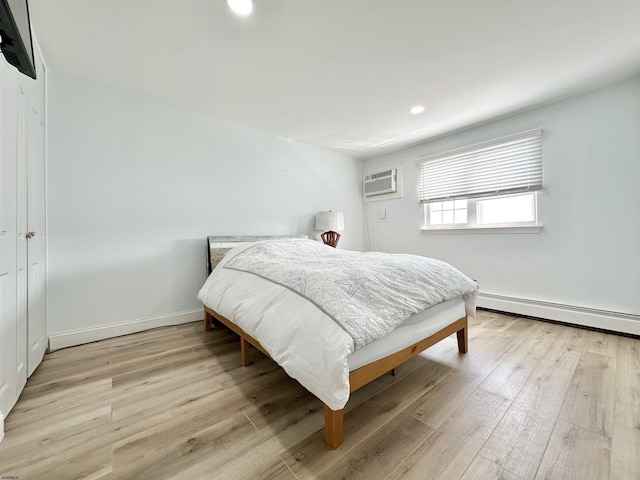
{"x":482,"y":230}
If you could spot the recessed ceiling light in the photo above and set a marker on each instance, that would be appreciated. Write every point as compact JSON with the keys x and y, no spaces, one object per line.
{"x":417,"y":110}
{"x":241,"y":7}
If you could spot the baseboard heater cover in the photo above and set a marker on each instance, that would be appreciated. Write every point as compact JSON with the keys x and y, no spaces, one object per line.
{"x":588,"y":317}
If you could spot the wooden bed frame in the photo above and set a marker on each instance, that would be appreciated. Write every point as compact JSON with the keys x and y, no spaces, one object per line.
{"x":334,"y":419}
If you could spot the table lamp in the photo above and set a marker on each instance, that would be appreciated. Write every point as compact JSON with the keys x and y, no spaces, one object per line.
{"x":329,"y":222}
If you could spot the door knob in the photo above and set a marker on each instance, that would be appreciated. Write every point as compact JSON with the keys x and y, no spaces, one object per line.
{"x":31,"y":235}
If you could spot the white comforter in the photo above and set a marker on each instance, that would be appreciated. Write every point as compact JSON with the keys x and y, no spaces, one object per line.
{"x":310,"y":305}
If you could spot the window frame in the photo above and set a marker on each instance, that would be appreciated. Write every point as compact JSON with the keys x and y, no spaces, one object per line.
{"x":509,"y":166}
{"x":472,"y":217}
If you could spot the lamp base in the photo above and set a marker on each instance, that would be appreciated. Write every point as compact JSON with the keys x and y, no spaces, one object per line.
{"x":330,"y":238}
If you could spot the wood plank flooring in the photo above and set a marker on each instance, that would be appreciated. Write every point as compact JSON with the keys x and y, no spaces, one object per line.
{"x":531,"y":400}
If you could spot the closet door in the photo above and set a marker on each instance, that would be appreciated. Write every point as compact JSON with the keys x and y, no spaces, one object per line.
{"x":22,"y":166}
{"x":22,"y":231}
{"x":9,"y":346}
{"x":36,"y":247}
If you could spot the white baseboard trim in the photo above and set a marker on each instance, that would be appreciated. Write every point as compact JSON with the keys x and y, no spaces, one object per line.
{"x":79,"y":337}
{"x":588,"y":317}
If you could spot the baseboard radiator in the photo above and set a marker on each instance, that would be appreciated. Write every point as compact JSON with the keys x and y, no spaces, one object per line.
{"x":587,"y":317}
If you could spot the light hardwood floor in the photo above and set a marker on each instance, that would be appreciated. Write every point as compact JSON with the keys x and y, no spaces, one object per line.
{"x":531,"y":400}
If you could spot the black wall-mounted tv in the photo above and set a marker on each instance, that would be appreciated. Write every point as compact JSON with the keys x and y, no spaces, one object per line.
{"x":15,"y":30}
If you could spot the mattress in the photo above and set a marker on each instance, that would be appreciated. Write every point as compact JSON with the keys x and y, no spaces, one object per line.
{"x":416,"y":327}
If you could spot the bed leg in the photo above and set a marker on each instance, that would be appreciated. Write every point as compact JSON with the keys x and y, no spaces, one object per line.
{"x":333,"y":426}
{"x":245,"y":347}
{"x":463,"y":338}
{"x":208,"y":319}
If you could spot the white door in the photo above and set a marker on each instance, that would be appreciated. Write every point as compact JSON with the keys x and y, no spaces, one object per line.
{"x":22,"y":210}
{"x":22,"y":164}
{"x":36,"y":270}
{"x":9,"y":346}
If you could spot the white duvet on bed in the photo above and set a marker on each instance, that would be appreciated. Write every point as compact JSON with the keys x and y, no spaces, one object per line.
{"x":305,"y":340}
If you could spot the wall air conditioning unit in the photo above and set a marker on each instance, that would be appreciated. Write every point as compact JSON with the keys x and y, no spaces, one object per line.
{"x":380,"y":182}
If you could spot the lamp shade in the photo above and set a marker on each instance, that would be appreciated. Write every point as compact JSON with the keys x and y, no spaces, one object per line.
{"x":333,"y":221}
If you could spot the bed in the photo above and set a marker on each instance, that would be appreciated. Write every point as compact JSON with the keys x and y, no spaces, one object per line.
{"x":334,"y":320}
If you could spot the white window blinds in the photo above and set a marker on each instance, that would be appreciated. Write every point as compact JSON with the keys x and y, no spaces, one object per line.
{"x":507,"y":165}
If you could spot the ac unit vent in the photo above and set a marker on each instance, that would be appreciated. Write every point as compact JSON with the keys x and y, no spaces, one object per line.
{"x":379,"y":183}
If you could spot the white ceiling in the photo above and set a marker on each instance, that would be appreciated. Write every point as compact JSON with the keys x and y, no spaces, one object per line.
{"x":342,"y":74}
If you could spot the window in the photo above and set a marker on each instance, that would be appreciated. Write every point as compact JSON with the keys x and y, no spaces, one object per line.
{"x":500,"y":211}
{"x":492,"y":184}
{"x":453,"y":212}
{"x":506,"y":209}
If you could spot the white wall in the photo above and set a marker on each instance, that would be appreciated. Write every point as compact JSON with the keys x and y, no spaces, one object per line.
{"x":134,"y":187}
{"x":588,"y":253}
